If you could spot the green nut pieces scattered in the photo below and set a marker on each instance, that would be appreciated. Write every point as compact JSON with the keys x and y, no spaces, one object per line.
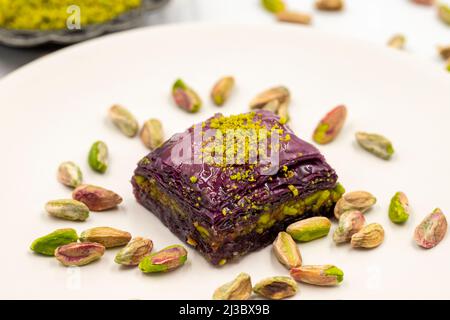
{"x":186,"y":98}
{"x":79,"y":254}
{"x":152,"y":135}
{"x":327,"y":275}
{"x":107,"y":236}
{"x":399,"y":208}
{"x":222,"y":90}
{"x":47,"y":245}
{"x":286,"y":251}
{"x":238,"y":289}
{"x":167,"y":259}
{"x":273,"y":6}
{"x":96,"y":198}
{"x":330,"y":126}
{"x":98,"y":157}
{"x":276,"y":288}
{"x":67,"y":209}
{"x":134,"y":252}
{"x":69,"y":174}
{"x":124,"y":120}
{"x":309,"y":229}
{"x":376,"y":144}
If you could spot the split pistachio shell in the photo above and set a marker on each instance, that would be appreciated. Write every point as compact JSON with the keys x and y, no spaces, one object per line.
{"x":134,"y":252}
{"x":98,"y":157}
{"x":350,"y":223}
{"x":124,"y":120}
{"x":47,"y":244}
{"x":330,"y":126}
{"x":431,"y":230}
{"x":326,"y":275}
{"x":107,"y":236}
{"x":309,"y":229}
{"x":370,"y":236}
{"x":329,"y":5}
{"x":286,"y":250}
{"x":238,"y":289}
{"x":168,"y":259}
{"x":69,"y":174}
{"x":399,"y":208}
{"x":376,"y":144}
{"x":355,"y":200}
{"x":79,"y":254}
{"x":185,"y":98}
{"x":152,"y":135}
{"x":272,"y":99}
{"x":273,"y":6}
{"x":67,"y":209}
{"x":96,"y":198}
{"x":276,"y":288}
{"x":222,"y":90}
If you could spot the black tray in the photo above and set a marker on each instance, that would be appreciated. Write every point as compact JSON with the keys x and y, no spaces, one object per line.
{"x":27,"y":39}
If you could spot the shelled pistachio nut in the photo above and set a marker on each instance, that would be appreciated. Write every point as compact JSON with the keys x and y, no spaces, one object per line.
{"x":330,"y":126}
{"x":399,"y":208}
{"x":185,"y":98}
{"x":273,"y":6}
{"x":444,"y":52}
{"x":168,"y":259}
{"x":134,"y":252}
{"x":431,"y":230}
{"x":309,"y":229}
{"x":326,"y":275}
{"x":107,"y":236}
{"x":47,"y":244}
{"x":330,"y":5}
{"x":350,"y":222}
{"x":238,"y":289}
{"x":355,"y":200}
{"x":79,"y":254}
{"x":222,"y":90}
{"x":124,"y":120}
{"x":376,"y":144}
{"x":276,"y":288}
{"x":67,"y":209}
{"x":152,"y":135}
{"x":96,"y":198}
{"x":69,"y":174}
{"x":286,"y":250}
{"x":98,"y":157}
{"x":370,"y":236}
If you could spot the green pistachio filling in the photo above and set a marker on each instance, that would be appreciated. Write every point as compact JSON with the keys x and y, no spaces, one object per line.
{"x":335,"y":271}
{"x":54,"y":14}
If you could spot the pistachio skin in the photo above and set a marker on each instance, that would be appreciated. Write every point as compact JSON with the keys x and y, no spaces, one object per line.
{"x":106,"y":236}
{"x":238,"y":289}
{"x":69,"y":174}
{"x":186,"y":98}
{"x":67,"y":209}
{"x":124,"y":120}
{"x":430,"y":232}
{"x":309,"y":229}
{"x":96,"y":198}
{"x":330,"y":126}
{"x":168,"y":259}
{"x":326,"y":275}
{"x":79,"y":254}
{"x":276,"y":288}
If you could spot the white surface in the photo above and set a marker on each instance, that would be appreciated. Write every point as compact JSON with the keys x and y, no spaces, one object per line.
{"x":57,"y":108}
{"x":372,"y":20}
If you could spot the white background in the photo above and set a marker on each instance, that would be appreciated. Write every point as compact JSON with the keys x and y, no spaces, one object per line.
{"x":371,"y":20}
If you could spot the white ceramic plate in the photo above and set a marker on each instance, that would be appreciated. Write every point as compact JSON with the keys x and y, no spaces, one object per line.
{"x":53,"y":109}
